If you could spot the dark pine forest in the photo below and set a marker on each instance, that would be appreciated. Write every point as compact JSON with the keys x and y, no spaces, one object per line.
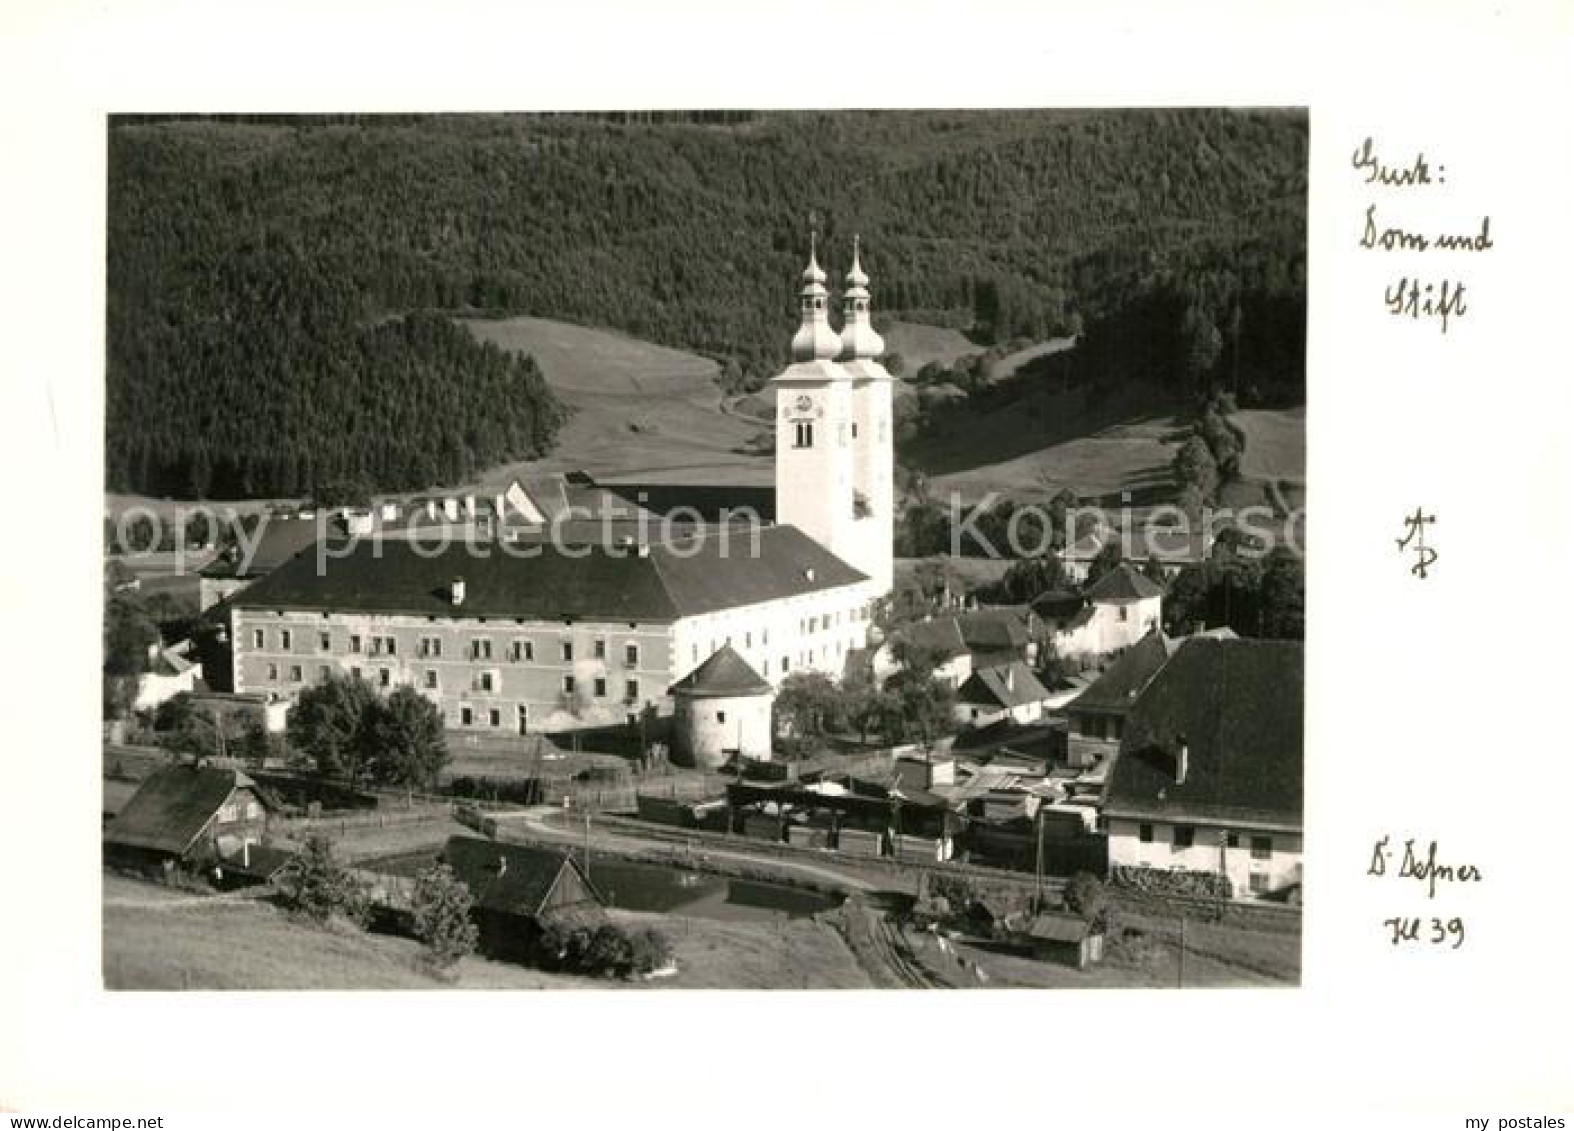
{"x":279,"y":287}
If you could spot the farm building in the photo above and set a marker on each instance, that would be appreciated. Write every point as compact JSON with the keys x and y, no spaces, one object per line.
{"x":1209,"y":773}
{"x":188,"y":814}
{"x":516,"y":890}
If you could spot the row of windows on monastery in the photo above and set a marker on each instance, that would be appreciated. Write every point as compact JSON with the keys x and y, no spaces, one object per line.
{"x":807,"y":626}
{"x":484,"y":682}
{"x":431,"y":647}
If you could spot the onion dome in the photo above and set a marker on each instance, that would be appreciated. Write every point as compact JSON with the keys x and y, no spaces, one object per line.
{"x":858,"y":337}
{"x":815,"y":340}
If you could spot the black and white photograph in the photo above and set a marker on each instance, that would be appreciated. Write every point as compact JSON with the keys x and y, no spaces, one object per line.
{"x":616,"y":565}
{"x":705,"y":549}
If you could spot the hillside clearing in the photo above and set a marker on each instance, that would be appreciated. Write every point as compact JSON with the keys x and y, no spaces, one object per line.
{"x":920,"y":344}
{"x":640,"y":411}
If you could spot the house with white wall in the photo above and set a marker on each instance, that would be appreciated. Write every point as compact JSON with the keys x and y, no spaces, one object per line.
{"x":1000,"y":692}
{"x":1209,"y":773}
{"x":1119,"y":609}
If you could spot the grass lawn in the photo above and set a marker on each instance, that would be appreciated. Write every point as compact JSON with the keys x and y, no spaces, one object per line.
{"x":250,"y":946}
{"x":225,"y":945}
{"x":791,"y":954}
{"x":1275,"y":444}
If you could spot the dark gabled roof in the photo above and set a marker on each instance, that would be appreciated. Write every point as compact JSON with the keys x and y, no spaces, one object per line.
{"x":712,"y":501}
{"x":942,"y":637}
{"x":724,"y":674}
{"x":1003,"y":685}
{"x":1123,"y":583}
{"x":516,"y":879}
{"x":278,"y":539}
{"x":1052,"y":927}
{"x":1117,"y":688}
{"x":551,"y":583}
{"x":1057,"y":604}
{"x":1238,"y":706}
{"x":1007,"y":626}
{"x":173,"y":807}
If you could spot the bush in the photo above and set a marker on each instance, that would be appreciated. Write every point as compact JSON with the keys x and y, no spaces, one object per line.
{"x":314,"y":886}
{"x":606,"y":951}
{"x":442,"y":920}
{"x":1085,"y":896}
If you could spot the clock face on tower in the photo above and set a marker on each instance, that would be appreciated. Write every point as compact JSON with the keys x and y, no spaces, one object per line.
{"x":804,"y":403}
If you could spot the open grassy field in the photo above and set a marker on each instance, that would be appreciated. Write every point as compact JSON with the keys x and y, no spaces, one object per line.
{"x":158,"y":939}
{"x":1116,"y":452}
{"x":641,"y":411}
{"x":794,"y":954}
{"x":919,"y":345}
{"x":227,"y":945}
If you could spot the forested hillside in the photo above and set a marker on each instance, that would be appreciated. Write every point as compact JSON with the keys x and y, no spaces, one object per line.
{"x":272,"y":281}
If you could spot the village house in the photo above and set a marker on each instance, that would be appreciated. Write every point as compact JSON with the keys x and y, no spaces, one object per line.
{"x":1209,"y":772}
{"x":192,"y":815}
{"x":1118,"y":610}
{"x":1004,"y":691}
{"x":963,"y":642}
{"x":171,"y":672}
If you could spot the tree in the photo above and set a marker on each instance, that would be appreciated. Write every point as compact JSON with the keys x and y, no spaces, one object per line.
{"x":1103,"y":562}
{"x":314,"y":886}
{"x":1282,"y":600}
{"x":1028,"y":579}
{"x":330,"y":725}
{"x":1201,"y":345}
{"x":807,"y":706}
{"x":129,"y":632}
{"x":442,"y":916}
{"x":406,"y":740}
{"x":1194,"y":467}
{"x":924,"y":705}
{"x":1086,"y":896}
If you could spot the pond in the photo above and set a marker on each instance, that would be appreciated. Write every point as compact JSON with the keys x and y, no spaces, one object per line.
{"x":670,"y":890}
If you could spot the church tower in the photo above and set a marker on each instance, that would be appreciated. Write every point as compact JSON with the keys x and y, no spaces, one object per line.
{"x":833,"y":430}
{"x":874,"y":489}
{"x":814,"y":452}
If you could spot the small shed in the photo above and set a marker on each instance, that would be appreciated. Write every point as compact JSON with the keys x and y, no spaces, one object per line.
{"x":1066,"y":938}
{"x":517,"y":889}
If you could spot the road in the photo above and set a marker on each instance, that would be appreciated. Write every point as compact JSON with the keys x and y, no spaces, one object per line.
{"x":549,"y":824}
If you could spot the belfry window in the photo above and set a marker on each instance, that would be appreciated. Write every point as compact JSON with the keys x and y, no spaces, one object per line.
{"x":803,"y":436}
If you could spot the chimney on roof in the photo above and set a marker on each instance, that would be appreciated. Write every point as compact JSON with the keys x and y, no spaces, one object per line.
{"x":1180,"y":761}
{"x":1011,"y":679}
{"x":456,"y":591}
{"x":1198,"y":627}
{"x":808,"y":574}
